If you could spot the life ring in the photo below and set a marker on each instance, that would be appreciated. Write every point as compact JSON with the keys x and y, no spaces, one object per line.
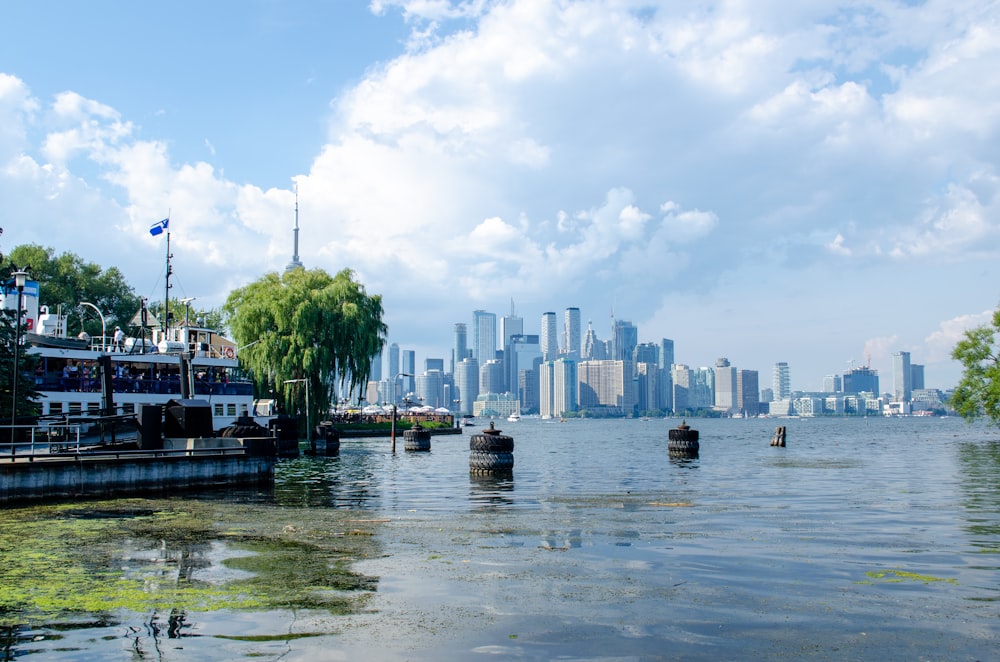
{"x":228,"y":352}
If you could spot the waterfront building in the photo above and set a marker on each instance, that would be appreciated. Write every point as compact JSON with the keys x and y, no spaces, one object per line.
{"x":834,"y":405}
{"x":916,"y":377}
{"x":571,"y":333}
{"x":466,"y":384}
{"x":558,"y":387}
{"x":808,"y":406}
{"x":647,"y":385}
{"x":861,"y":380}
{"x":901,"y":385}
{"x":701,"y":394}
{"x":782,"y":381}
{"x":496,"y":405}
{"x":607,"y":384}
{"x":549,"y":337}
{"x":681,"y":379}
{"x":781,"y":407}
{"x":484,"y":336}
{"x":511,"y":326}
{"x":725,"y":387}
{"x":832,"y":384}
{"x":747,"y":391}
{"x":527,"y":389}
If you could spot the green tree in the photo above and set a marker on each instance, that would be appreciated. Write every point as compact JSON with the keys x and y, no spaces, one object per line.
{"x":978,"y":393}
{"x":66,"y":281}
{"x":27,"y":396}
{"x":306,"y":325}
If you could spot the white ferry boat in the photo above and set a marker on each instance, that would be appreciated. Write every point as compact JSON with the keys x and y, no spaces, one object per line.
{"x":144,"y":370}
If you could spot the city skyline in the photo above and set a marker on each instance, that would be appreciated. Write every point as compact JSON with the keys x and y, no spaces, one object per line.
{"x":816,"y":183}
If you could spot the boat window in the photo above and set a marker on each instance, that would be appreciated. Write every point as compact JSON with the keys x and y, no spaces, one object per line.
{"x":75,"y":408}
{"x":218,"y":409}
{"x":55,"y":407}
{"x":231,"y":409}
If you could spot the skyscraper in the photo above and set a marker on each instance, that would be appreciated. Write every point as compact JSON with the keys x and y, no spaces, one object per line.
{"x":571,"y":333}
{"x":393,"y":360}
{"x":466,"y":384}
{"x":409,"y":384}
{"x":511,"y":326}
{"x":625,"y":336}
{"x":549,"y":337}
{"x":902,"y":386}
{"x":484,"y":336}
{"x":726,"y":387}
{"x":782,"y":381}
{"x":666,"y":353}
{"x":461,"y":349}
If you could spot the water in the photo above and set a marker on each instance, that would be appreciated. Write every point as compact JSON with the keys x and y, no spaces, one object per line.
{"x":862,"y":539}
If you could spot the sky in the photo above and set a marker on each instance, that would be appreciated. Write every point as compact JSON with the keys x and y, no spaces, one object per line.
{"x":813,"y":182}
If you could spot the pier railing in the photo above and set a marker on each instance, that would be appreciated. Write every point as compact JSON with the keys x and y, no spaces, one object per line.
{"x":35,"y":440}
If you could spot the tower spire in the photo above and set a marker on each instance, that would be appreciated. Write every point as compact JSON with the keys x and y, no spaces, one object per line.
{"x":295,"y":263}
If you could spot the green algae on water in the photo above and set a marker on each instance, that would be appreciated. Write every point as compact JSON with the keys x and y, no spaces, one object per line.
{"x":158,"y":555}
{"x":897,"y":576}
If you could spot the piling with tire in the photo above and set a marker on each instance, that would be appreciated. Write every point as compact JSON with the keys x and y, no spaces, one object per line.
{"x":779,"y":437}
{"x":325,"y":441}
{"x":682,"y":441}
{"x":417,"y":438}
{"x":491,"y":451}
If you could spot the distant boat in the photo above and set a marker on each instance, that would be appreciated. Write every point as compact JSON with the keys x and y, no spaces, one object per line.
{"x":514,"y":417}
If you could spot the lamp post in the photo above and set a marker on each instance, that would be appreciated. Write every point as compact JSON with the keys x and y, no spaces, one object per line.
{"x":20,"y":276}
{"x":308,"y":420}
{"x":393,"y":429}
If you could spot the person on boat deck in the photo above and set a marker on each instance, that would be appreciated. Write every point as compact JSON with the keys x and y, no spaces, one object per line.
{"x":39,"y":374}
{"x":119,"y":339}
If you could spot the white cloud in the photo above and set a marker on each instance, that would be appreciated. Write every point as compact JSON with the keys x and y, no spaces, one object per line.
{"x":939,"y":344}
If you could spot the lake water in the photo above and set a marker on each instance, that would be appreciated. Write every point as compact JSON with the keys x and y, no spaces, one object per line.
{"x":862,"y":539}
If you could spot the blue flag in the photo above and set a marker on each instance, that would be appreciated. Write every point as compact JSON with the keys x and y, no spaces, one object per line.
{"x":159,"y":227}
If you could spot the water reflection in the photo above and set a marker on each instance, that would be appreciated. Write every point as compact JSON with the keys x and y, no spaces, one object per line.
{"x":980,"y":482}
{"x":489,"y":491}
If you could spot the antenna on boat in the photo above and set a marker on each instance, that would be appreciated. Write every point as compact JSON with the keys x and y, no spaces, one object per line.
{"x":166,"y":294}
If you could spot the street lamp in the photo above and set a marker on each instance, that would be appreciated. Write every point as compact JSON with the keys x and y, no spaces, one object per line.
{"x":20,"y":276}
{"x":308,"y":421}
{"x":393,"y":431}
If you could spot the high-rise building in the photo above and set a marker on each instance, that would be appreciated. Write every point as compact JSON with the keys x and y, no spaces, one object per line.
{"x":558,"y":387}
{"x":726,"y":399}
{"x":666,"y":353}
{"x":625,"y":336}
{"x":593,"y":348}
{"x":393,"y":361}
{"x":376,"y":372}
{"x":647,"y":387}
{"x":681,"y":377}
{"x":522,"y":354}
{"x":902,"y":386}
{"x":747,"y":391}
{"x":466,"y":384}
{"x":832,"y":384}
{"x":607,"y":384}
{"x":461,"y":349}
{"x":549,"y":337}
{"x":571,"y":333}
{"x":484,"y":336}
{"x":646,"y":352}
{"x":861,"y":380}
{"x":782,"y":381}
{"x":409,"y":383}
{"x":430,"y":389}
{"x":916,"y":377}
{"x":433,"y":364}
{"x":491,"y":378}
{"x":511,"y":326}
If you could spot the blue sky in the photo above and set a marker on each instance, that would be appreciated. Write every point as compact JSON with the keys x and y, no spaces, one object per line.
{"x":815,"y":183}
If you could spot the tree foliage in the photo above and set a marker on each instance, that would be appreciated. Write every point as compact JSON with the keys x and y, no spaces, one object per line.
{"x":67,"y":281}
{"x":27,"y":396}
{"x":306,"y":325}
{"x":978,"y":393}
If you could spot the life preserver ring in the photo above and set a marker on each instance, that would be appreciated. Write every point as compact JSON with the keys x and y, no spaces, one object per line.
{"x":228,"y":352}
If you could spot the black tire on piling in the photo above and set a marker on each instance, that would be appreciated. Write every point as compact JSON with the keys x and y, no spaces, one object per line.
{"x":683,"y":441}
{"x":417,"y":438}
{"x":491,"y":451}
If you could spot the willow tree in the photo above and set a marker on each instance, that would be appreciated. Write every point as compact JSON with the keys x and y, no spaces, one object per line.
{"x":978,"y":393}
{"x":306,"y":325}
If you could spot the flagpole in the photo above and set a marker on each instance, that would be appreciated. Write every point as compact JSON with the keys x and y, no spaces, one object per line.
{"x":166,"y":294}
